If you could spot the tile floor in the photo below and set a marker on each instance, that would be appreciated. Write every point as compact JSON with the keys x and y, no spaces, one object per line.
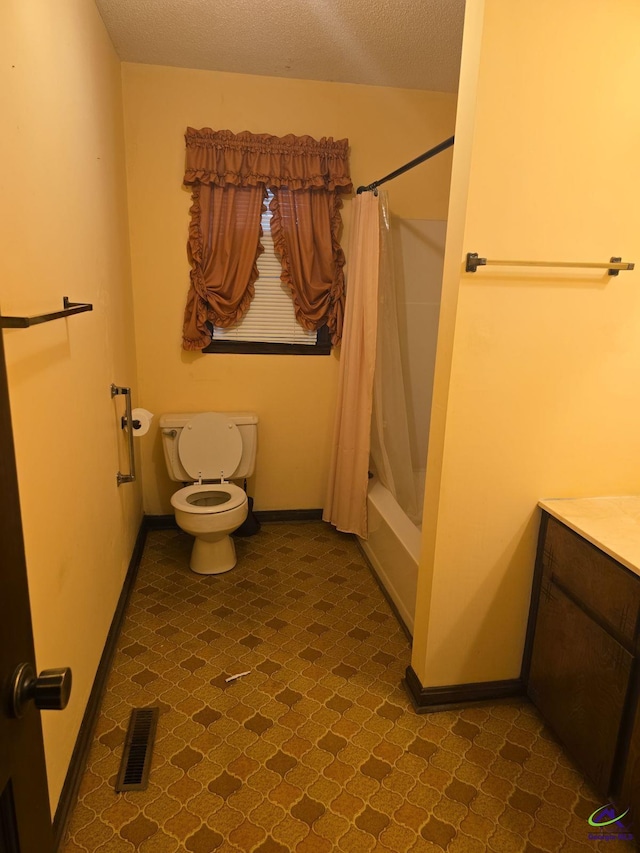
{"x":317,"y":749}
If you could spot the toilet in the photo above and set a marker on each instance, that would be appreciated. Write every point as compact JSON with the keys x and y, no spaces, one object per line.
{"x":204,"y":451}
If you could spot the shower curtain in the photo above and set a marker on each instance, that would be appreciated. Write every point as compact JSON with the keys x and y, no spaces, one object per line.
{"x":371,"y":414}
{"x":390,"y":448}
{"x":346,"y":501}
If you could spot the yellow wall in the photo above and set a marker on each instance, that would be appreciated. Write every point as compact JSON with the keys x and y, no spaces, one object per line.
{"x":538,"y":371}
{"x":293,"y":396}
{"x":64,"y":233}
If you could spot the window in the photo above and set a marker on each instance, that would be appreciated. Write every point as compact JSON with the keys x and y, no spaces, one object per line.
{"x":228,"y":174}
{"x":270,"y":325}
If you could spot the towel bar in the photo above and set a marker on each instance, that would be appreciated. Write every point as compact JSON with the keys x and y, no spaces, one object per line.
{"x":69,"y":308}
{"x":614,"y":266}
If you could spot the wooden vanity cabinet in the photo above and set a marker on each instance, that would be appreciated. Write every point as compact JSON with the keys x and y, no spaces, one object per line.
{"x":581,"y":651}
{"x":630,"y":791}
{"x":579,"y":680}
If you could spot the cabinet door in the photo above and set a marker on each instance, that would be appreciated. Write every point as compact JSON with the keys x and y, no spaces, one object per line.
{"x":630,"y":794}
{"x":579,"y":678}
{"x":591,"y":577}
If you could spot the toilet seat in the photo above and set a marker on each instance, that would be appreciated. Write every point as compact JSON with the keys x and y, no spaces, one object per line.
{"x":183,"y":499}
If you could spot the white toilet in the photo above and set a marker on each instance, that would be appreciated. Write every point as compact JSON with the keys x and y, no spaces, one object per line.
{"x":206,"y":450}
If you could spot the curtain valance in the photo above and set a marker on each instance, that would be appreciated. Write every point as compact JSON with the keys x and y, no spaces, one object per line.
{"x":246,"y":159}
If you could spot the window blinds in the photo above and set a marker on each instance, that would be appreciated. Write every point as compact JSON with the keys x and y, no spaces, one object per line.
{"x":270,"y":317}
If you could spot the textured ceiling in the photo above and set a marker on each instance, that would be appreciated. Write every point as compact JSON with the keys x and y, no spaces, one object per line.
{"x":407,"y":43}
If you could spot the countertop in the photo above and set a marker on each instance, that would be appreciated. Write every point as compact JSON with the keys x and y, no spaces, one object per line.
{"x":610,"y":523}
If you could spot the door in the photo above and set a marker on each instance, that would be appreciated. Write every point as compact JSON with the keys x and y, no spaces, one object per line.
{"x":25,"y":819}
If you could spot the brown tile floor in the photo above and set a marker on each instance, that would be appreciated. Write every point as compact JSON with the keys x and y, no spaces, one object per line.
{"x":317,"y":749}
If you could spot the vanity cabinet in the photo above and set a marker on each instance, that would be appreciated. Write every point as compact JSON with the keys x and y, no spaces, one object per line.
{"x":581,"y":652}
{"x":630,"y":793}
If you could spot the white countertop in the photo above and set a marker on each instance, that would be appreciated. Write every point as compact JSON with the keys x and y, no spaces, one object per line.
{"x":610,"y":523}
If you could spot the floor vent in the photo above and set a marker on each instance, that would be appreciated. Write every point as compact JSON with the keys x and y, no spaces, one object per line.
{"x":138,"y":747}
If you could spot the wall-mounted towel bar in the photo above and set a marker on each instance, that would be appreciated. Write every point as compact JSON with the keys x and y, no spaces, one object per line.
{"x":69,"y":308}
{"x":614,"y":266}
{"x":128,"y":424}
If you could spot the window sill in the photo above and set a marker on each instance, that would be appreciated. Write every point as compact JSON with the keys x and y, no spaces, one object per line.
{"x":321,"y":347}
{"x":262,"y":348}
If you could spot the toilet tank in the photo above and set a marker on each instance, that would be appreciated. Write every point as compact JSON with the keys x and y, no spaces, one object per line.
{"x":171,"y":426}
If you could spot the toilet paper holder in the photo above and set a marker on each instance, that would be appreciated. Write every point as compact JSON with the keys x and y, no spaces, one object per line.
{"x":126,"y":421}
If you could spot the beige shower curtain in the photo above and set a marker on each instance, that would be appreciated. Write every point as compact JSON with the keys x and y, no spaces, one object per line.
{"x":346,"y":502}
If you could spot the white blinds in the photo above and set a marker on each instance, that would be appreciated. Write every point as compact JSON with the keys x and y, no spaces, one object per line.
{"x":270,"y":317}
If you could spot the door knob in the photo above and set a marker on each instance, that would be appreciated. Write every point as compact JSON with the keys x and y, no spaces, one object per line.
{"x":50,"y":690}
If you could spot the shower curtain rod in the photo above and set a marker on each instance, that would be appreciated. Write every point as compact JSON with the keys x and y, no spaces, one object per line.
{"x":426,"y":156}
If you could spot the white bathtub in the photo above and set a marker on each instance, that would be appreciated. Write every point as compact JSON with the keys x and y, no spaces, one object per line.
{"x":393,"y":549}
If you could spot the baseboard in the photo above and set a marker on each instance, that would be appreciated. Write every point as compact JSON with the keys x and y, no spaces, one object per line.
{"x":425,"y":700}
{"x":168,"y":522}
{"x":160,"y":522}
{"x":87,"y":728}
{"x":288,"y":514}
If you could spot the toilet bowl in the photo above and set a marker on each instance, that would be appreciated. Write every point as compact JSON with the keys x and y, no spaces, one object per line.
{"x":209,"y":449}
{"x":211,"y":512}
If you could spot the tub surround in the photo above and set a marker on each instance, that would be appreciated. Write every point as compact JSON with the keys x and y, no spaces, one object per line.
{"x":612,"y":524}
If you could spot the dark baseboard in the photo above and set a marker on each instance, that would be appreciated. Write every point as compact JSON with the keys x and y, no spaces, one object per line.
{"x":90,"y":718}
{"x":425,"y":700}
{"x":288,"y":514}
{"x":168,"y":522}
{"x":160,"y":522}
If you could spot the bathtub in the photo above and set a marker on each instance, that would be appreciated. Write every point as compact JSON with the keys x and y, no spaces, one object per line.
{"x":393,"y":549}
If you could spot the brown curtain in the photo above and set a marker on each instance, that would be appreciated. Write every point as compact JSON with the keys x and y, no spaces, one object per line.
{"x":229,"y":174}
{"x":224,"y":244}
{"x":305,"y":229}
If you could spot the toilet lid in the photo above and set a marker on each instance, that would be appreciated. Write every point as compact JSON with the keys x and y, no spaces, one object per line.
{"x":210,"y":446}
